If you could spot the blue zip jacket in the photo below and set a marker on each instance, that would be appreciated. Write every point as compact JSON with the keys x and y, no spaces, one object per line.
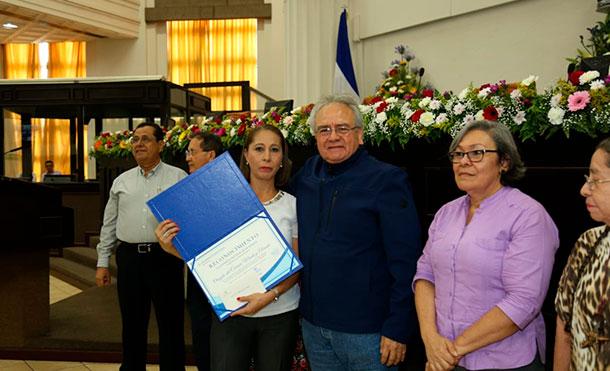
{"x":359,"y":240}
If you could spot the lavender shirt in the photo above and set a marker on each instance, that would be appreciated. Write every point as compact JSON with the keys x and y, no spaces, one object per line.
{"x":502,"y":258}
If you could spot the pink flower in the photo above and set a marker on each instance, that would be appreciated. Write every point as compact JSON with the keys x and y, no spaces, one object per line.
{"x":578,"y":100}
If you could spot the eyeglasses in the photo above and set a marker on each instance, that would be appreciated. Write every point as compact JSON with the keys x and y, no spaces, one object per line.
{"x":592,"y":183}
{"x":145,"y":140}
{"x":476,"y":155}
{"x":193,"y":152}
{"x":325,"y":131}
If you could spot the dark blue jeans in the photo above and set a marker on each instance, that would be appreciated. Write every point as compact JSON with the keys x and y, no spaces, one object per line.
{"x":329,"y":350}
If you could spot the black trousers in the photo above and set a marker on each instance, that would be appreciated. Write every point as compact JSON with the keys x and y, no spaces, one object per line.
{"x":144,"y":278}
{"x":270,"y":340}
{"x":201,"y":322}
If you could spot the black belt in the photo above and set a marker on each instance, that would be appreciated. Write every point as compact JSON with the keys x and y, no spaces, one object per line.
{"x":142,"y":248}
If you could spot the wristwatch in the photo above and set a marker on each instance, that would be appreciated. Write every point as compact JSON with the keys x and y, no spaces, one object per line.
{"x":276,"y":294}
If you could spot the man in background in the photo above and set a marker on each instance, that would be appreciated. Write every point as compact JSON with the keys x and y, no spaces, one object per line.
{"x":203,"y":148}
{"x":49,"y":166}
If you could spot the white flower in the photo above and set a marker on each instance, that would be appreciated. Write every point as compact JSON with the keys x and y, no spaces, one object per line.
{"x":406,"y":111}
{"x":441,"y":118}
{"x":365,"y":108}
{"x":463,"y":94}
{"x":388,"y":83}
{"x":484,"y":92}
{"x":597,"y":84}
{"x":515,"y":94}
{"x":555,"y":99}
{"x":588,"y":76}
{"x":226,"y":122}
{"x":529,"y":80}
{"x":296,"y":110}
{"x":381,"y":117}
{"x":393,"y":89}
{"x":426,"y":119}
{"x":391,"y":100}
{"x":233,"y":131}
{"x":377,"y":104}
{"x":500,"y":111}
{"x":435,"y":104}
{"x":479,"y":115}
{"x":288,"y":120}
{"x":424,"y":102}
{"x":519,"y":118}
{"x":284,"y":133}
{"x":555,"y":115}
{"x":238,"y":121}
{"x":459,"y":108}
{"x":468,"y":119}
{"x":399,"y":82}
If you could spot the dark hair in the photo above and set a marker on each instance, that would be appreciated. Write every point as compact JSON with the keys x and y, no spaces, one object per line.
{"x":604,"y":145}
{"x":505,"y":144}
{"x":158,"y":132}
{"x":209,"y":142}
{"x":283,"y":174}
{"x":48,"y":162}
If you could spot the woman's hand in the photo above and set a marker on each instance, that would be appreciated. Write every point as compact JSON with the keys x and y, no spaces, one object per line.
{"x":165,"y":232}
{"x":441,"y":353}
{"x":256,"y":302}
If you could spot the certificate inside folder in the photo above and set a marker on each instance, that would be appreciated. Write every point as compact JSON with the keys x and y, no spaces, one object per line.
{"x":226,"y":237}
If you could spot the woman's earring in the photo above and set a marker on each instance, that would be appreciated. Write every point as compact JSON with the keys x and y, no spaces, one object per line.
{"x":247,"y":163}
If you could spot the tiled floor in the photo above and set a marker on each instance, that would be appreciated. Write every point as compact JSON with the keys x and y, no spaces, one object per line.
{"x":59,"y":290}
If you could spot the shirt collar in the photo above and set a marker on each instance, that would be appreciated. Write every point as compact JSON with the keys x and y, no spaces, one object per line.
{"x":493,"y":198}
{"x":151,"y":172}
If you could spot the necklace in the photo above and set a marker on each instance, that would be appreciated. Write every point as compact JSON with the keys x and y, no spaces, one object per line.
{"x":277,"y":196}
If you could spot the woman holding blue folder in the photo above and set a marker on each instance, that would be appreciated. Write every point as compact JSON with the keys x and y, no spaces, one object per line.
{"x":266,"y":327}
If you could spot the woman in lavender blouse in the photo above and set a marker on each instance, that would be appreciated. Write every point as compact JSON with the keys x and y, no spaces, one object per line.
{"x":485,"y":269}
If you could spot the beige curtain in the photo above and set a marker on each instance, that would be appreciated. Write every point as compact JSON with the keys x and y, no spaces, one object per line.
{"x":20,"y":61}
{"x":211,"y":51}
{"x":51,"y":137}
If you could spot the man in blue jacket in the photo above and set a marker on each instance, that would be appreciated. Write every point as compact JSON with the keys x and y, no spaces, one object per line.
{"x":359,"y":240}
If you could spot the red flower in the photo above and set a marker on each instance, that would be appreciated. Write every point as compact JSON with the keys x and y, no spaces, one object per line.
{"x":275,"y":116}
{"x":393,"y":72}
{"x":490,"y":113}
{"x":196,"y":129}
{"x":308,"y":108}
{"x":381,"y":107}
{"x":407,"y":97}
{"x":574,"y":77}
{"x":241,"y":130}
{"x":416,"y":115}
{"x":220,"y":132}
{"x":427,"y":93}
{"x":376,"y":99}
{"x":109,"y":143}
{"x":484,"y":86}
{"x":97,"y":144}
{"x":105,"y":134}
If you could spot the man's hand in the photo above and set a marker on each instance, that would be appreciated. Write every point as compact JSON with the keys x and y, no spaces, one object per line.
{"x":165,"y":232}
{"x":392,"y":352}
{"x":102,"y":276}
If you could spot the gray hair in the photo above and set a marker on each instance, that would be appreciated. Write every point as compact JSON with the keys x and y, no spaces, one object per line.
{"x":505,"y":144}
{"x":328,"y":99}
{"x":604,"y":145}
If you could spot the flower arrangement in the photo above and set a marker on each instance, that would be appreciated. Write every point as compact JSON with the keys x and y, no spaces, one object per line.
{"x":402,"y":110}
{"x":579,"y":104}
{"x":231,"y":129}
{"x":400,"y":80}
{"x":112,"y":145}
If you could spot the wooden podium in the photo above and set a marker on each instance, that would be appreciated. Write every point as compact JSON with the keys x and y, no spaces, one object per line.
{"x":30,"y":223}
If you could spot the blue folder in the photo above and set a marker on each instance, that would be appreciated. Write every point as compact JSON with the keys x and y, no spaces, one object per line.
{"x":209,"y":206}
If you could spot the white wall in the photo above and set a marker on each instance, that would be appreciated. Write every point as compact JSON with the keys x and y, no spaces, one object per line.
{"x":509,"y":42}
{"x":296,"y":48}
{"x":146,"y":55}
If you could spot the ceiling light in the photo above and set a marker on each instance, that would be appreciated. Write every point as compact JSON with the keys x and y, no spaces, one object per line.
{"x":9,"y":26}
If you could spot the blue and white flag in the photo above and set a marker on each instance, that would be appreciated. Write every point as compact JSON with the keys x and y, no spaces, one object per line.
{"x":345,"y":78}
